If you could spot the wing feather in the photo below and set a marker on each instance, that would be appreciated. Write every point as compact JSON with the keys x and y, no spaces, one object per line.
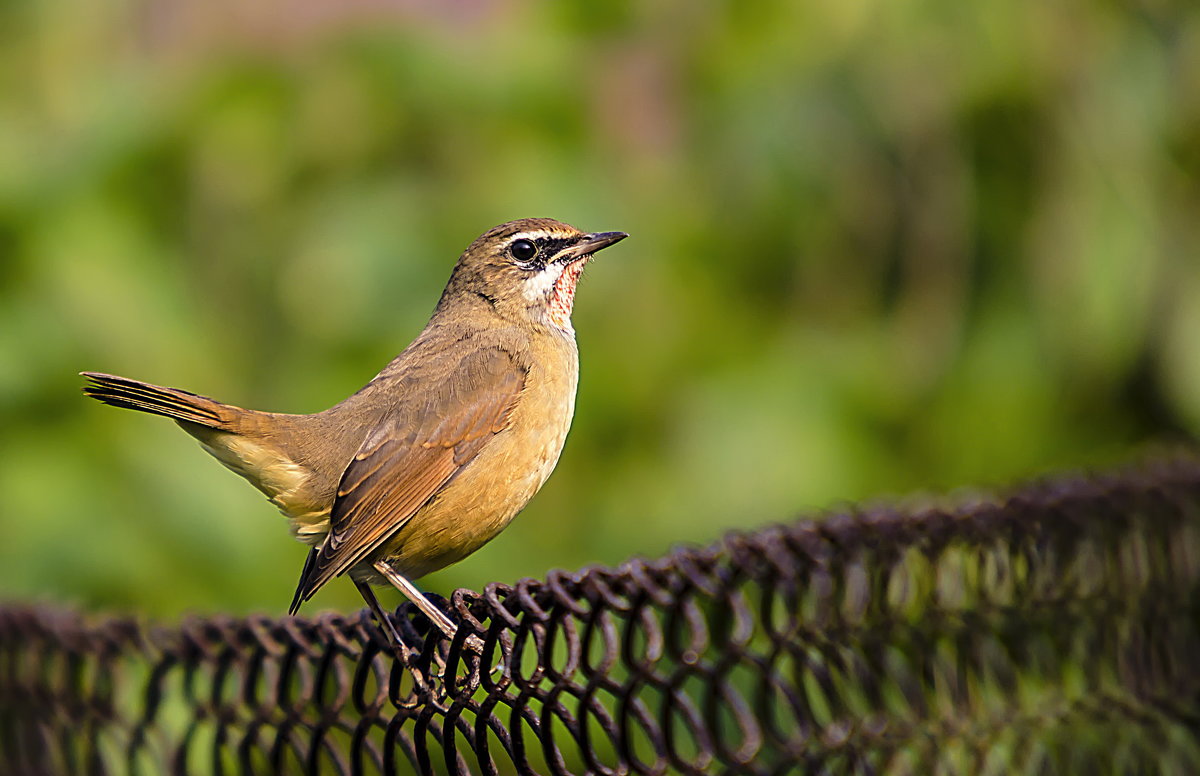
{"x":411,"y":457}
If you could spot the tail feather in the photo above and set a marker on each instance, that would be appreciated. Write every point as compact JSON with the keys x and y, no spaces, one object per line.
{"x":157,"y":400}
{"x":309,"y":563}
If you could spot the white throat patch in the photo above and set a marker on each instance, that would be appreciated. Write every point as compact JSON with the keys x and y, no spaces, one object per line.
{"x":539,"y":285}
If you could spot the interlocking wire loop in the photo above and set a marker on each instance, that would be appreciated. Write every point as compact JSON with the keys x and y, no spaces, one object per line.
{"x":1055,"y":631}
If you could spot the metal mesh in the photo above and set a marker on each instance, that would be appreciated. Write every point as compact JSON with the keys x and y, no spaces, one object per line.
{"x":1056,"y":631}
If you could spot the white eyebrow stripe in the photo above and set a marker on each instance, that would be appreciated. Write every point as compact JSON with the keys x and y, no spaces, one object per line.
{"x":540,"y":234}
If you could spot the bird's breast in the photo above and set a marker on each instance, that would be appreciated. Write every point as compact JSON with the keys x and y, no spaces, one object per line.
{"x":489,"y":492}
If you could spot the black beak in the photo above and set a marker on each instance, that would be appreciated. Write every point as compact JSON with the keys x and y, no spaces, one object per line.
{"x":589,"y":244}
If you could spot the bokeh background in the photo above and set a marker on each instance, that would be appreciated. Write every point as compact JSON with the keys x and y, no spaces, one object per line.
{"x":878,"y":248}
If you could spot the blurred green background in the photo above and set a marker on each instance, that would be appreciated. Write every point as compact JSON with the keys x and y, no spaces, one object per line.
{"x":877,"y":248}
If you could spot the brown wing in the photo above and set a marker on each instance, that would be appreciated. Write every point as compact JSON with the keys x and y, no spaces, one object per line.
{"x":406,"y":461}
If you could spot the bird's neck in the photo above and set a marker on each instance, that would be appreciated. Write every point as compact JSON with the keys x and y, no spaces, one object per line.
{"x":476,"y":310}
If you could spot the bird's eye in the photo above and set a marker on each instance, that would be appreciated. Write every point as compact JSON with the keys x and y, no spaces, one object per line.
{"x":523,"y":250}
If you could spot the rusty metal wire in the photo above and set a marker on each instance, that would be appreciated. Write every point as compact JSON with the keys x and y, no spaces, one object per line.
{"x":1055,"y":631}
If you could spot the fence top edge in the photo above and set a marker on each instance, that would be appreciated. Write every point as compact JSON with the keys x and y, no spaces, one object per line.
{"x":1056,"y":502}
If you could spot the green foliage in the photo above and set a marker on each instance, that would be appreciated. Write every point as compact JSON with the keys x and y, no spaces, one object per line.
{"x":875,"y":248}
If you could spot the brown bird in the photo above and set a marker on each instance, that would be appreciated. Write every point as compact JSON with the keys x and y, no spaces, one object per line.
{"x":436,"y":454}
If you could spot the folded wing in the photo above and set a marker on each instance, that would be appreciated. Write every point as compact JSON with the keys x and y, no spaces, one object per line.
{"x":434,"y":432}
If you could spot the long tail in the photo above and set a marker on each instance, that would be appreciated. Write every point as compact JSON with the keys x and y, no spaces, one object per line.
{"x":155,"y":399}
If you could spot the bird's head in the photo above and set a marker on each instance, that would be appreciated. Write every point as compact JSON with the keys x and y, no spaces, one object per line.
{"x":526,"y":270}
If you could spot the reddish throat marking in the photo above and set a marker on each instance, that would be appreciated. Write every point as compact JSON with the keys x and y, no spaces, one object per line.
{"x":562,"y":298}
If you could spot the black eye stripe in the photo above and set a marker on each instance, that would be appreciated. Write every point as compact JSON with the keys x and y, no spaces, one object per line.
{"x":550,"y":246}
{"x":547,"y":249}
{"x":550,"y":243}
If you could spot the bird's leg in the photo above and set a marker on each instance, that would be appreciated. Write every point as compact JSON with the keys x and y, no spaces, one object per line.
{"x":388,"y":628}
{"x":406,"y":653}
{"x":438,"y":617}
{"x":417,"y":597}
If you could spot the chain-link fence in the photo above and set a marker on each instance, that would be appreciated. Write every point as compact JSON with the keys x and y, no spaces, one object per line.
{"x":1055,"y":631}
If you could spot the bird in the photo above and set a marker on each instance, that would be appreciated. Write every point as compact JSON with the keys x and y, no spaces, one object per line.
{"x":437,"y":453}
